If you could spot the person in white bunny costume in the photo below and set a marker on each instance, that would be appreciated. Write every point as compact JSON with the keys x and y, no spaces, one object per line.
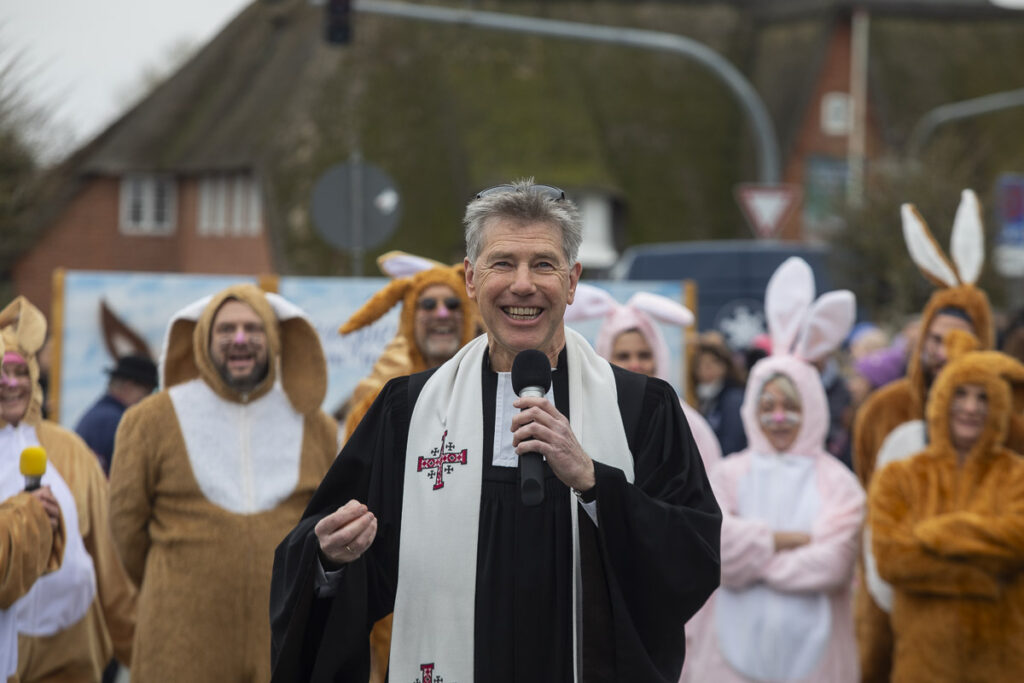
{"x":792,"y":513}
{"x":638,"y":316}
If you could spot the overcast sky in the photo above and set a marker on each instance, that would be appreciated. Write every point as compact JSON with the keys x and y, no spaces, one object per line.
{"x":82,"y":59}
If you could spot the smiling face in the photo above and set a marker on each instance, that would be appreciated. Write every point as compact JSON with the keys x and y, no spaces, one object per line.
{"x":437,"y":325}
{"x":15,"y":390}
{"x":631,"y":351}
{"x":238,"y":345}
{"x":780,"y":413}
{"x":522,"y":282}
{"x":968,"y":413}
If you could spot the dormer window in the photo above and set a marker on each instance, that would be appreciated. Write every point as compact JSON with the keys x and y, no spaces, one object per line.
{"x":149,"y":204}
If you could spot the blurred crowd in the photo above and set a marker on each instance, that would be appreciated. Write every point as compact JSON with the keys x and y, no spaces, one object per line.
{"x":868,"y":475}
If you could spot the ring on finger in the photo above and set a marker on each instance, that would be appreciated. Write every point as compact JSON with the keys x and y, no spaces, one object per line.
{"x":349,"y":548}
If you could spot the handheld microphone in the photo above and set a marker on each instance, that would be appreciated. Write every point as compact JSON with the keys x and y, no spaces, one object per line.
{"x":531,"y":376}
{"x":33,"y":466}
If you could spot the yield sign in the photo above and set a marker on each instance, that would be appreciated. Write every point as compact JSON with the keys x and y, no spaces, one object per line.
{"x":767,"y":206}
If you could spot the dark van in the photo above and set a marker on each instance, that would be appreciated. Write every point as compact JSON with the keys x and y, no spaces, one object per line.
{"x":731,"y":277}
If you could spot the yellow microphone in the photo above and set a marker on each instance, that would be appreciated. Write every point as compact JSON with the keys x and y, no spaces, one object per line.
{"x":33,"y":465}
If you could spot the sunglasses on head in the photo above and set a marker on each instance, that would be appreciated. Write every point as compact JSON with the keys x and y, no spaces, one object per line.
{"x":429,"y":303}
{"x":549,"y":191}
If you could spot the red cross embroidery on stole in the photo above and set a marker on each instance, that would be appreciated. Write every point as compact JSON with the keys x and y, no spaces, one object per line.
{"x":441,"y":461}
{"x":427,"y":674}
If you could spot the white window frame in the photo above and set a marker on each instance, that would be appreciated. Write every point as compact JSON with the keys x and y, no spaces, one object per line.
{"x":139,"y":204}
{"x":230,"y":205}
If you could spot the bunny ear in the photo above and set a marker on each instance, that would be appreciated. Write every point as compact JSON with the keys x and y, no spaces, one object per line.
{"x":830,"y":320}
{"x":589,"y":302}
{"x":789,"y":293}
{"x":924,"y":250}
{"x":662,"y":308}
{"x":967,"y":245}
{"x":400,"y":264}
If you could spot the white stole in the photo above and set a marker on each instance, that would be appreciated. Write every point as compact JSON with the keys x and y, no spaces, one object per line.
{"x":435,"y":602}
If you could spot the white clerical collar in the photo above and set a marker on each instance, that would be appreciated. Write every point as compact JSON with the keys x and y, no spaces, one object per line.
{"x":504,"y":453}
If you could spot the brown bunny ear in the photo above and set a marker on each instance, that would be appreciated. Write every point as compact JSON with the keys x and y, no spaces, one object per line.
{"x":960,"y":342}
{"x":377,"y":305}
{"x":119,"y":338}
{"x":28,"y":323}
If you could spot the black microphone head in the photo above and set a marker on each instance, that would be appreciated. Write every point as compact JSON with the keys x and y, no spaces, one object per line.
{"x":531,"y":368}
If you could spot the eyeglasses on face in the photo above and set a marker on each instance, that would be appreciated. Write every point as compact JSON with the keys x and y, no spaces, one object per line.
{"x":429,"y":303}
{"x":549,"y":191}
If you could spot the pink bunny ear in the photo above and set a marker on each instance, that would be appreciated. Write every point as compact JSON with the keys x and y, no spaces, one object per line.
{"x":398,"y":264}
{"x":589,"y":302}
{"x":789,"y":294}
{"x":662,"y":308}
{"x":828,"y":323}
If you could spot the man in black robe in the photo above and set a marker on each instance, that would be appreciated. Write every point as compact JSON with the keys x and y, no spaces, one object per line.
{"x":648,"y":541}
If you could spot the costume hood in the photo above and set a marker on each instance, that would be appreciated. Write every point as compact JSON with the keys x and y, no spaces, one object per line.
{"x":1003,"y":379}
{"x":639,"y":313}
{"x":956,"y":279}
{"x":293,"y":348}
{"x":414,"y":274}
{"x":23,"y":331}
{"x":803,"y":330}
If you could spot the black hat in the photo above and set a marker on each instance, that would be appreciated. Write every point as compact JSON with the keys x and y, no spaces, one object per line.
{"x":138,"y":369}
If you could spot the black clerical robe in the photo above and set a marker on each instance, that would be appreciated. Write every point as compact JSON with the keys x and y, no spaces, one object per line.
{"x":648,"y":566}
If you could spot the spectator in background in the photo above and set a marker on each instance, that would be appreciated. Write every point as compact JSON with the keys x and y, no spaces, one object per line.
{"x":876,"y":369}
{"x":131,"y":380}
{"x":947,"y":528}
{"x":791,"y":514}
{"x":630,"y":338}
{"x":719,"y":391}
{"x":1011,"y":339}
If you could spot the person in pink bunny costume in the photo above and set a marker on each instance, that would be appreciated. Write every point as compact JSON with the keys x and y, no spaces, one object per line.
{"x":630,"y":338}
{"x":792,"y":513}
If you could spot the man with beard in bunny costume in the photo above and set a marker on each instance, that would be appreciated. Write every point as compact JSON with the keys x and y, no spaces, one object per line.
{"x":210,"y":473}
{"x":792,"y":513}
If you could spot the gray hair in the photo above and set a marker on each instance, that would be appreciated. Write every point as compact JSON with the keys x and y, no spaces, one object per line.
{"x":523,"y":205}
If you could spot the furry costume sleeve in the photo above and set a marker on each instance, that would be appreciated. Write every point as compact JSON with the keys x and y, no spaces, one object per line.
{"x":747,"y":544}
{"x":903,"y":560}
{"x":28,"y":546}
{"x":826,"y":563}
{"x":130,"y":524}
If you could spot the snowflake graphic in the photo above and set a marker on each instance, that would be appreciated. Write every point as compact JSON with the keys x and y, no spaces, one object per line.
{"x":741,"y":325}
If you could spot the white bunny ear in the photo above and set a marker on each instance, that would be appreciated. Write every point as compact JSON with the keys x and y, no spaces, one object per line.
{"x":967,"y":246}
{"x":924,"y":250}
{"x":398,"y":264}
{"x":589,"y":302}
{"x":829,"y":322}
{"x":789,"y":293}
{"x":662,"y":308}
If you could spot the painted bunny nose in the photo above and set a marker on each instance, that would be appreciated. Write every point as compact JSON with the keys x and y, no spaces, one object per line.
{"x":239,"y":337}
{"x":8,"y":381}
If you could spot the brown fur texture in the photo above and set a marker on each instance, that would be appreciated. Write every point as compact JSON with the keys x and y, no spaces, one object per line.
{"x":292,"y":343}
{"x":950,"y":538}
{"x":892,"y":405}
{"x":81,"y":652}
{"x":205,"y":571}
{"x":402,"y":356}
{"x":78,"y":653}
{"x":29,"y":546}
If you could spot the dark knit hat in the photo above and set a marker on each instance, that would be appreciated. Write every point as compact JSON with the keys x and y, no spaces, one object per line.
{"x":138,"y":369}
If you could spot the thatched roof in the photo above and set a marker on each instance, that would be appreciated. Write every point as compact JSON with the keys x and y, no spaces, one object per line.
{"x":446,"y":109}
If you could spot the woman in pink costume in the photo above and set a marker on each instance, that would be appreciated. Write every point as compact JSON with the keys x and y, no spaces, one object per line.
{"x":792,"y":513}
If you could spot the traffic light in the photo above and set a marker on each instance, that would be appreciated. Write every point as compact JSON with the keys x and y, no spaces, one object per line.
{"x":338,"y":21}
